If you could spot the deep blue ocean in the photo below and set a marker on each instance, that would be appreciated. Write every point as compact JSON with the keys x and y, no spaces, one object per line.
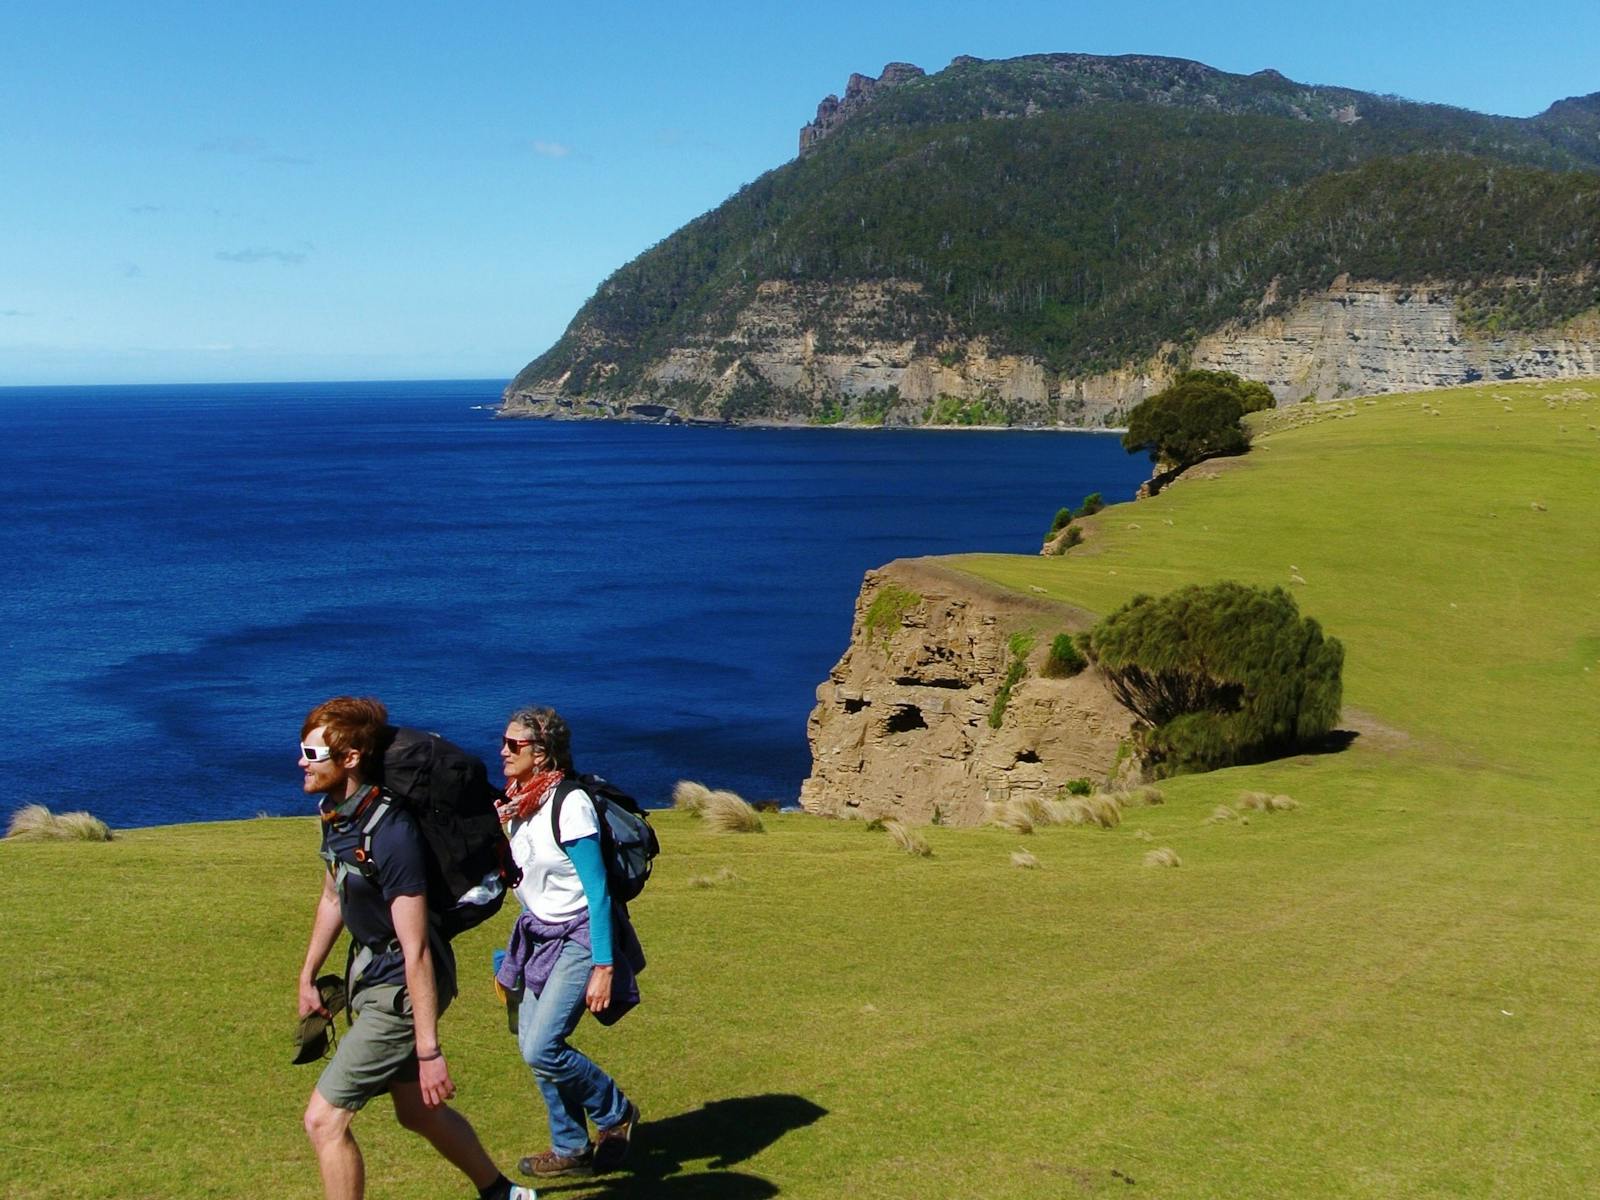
{"x":185,"y":570}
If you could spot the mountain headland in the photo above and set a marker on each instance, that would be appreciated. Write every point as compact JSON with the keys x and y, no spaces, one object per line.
{"x":1046,"y":240}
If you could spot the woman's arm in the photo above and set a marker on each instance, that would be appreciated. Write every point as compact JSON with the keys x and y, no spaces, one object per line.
{"x":591,"y":868}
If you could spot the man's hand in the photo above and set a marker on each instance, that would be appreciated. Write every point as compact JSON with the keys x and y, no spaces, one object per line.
{"x":598,"y":994}
{"x":311,"y":999}
{"x":434,"y":1076}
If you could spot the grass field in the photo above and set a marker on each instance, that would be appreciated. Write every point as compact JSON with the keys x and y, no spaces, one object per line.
{"x":1388,"y":992}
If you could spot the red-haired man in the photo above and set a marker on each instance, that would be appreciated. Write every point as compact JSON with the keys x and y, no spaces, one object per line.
{"x":401,"y":978}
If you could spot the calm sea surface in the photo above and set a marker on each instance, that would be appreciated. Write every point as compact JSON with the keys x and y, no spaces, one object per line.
{"x":185,"y":570}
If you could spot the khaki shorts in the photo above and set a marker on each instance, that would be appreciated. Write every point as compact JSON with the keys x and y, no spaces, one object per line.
{"x":378,"y":1049}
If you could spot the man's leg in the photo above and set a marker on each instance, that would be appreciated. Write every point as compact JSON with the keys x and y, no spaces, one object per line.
{"x":338,"y":1156}
{"x":450,"y":1133}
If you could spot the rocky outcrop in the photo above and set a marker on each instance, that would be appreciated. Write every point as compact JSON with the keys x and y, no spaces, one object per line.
{"x":818,"y":353}
{"x":858,"y":94}
{"x":902,"y":724}
{"x":1359,"y":339}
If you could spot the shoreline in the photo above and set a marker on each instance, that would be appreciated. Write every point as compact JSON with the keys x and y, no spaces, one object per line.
{"x":500,"y":414}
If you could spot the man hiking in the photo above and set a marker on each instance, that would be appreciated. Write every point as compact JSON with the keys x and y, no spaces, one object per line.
{"x":401,"y":976}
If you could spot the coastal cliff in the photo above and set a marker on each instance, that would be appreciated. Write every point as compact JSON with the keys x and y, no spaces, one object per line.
{"x":903,"y":725}
{"x":823,"y":354}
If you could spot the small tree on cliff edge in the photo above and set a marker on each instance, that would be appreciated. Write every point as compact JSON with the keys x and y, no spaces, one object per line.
{"x":1219,"y":674}
{"x":1195,"y":418}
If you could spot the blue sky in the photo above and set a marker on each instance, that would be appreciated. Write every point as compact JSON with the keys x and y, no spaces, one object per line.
{"x":220,"y":192}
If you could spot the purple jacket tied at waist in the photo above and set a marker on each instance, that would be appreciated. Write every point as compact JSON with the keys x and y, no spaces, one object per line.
{"x":535,"y":946}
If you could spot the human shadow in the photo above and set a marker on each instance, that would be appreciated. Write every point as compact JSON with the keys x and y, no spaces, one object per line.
{"x":724,"y":1132}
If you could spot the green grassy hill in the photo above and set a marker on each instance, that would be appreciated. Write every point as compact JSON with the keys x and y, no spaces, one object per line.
{"x":1386,"y":992}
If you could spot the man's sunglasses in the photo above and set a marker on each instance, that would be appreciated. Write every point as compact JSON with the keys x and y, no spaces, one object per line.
{"x":316,"y":754}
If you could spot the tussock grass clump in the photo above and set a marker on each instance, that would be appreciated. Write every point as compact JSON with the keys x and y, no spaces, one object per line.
{"x":908,"y":839}
{"x":1266,"y":802}
{"x":1220,"y":815}
{"x":1166,"y":856}
{"x":1021,"y":858}
{"x":1007,"y":815}
{"x":1148,"y":794}
{"x":689,"y":796}
{"x":726,"y":812}
{"x":715,"y":878}
{"x":36,"y":823}
{"x":1144,"y":835}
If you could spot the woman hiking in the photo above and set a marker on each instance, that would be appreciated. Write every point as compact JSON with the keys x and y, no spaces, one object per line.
{"x":571,"y":948}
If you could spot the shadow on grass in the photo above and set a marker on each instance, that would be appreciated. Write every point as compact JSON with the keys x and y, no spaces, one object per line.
{"x":725,"y":1132}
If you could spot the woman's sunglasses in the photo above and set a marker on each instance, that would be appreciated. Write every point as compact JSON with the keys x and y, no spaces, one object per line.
{"x":516,"y":745}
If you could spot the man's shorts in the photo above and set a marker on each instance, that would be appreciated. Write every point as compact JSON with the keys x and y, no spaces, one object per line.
{"x":378,"y":1049}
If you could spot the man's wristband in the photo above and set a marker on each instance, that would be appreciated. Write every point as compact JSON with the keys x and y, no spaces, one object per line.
{"x":439,"y":1053}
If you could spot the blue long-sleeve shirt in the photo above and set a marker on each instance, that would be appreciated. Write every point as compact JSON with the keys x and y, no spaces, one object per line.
{"x":591,"y":869}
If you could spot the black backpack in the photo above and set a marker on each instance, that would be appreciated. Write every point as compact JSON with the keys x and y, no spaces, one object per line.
{"x":628,"y":845}
{"x":447,"y":792}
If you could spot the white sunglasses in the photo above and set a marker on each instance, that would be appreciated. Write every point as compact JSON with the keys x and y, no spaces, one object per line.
{"x":316,"y":754}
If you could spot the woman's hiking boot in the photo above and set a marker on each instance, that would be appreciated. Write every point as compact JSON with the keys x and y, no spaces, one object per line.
{"x":611,"y":1145}
{"x":547,"y":1163}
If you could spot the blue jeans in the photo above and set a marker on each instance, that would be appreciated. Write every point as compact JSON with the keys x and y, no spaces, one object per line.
{"x":573,"y":1087}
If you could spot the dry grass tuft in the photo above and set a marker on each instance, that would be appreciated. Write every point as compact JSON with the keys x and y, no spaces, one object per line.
{"x":1164,"y":857}
{"x":689,"y":796}
{"x":1021,"y":858}
{"x":1144,"y":835}
{"x":1104,"y":809}
{"x":1148,"y":794}
{"x":1220,"y":814}
{"x":36,"y":823}
{"x":1266,"y":802}
{"x":1008,"y":816}
{"x":716,"y":878}
{"x":725,"y":812}
{"x":908,"y":839}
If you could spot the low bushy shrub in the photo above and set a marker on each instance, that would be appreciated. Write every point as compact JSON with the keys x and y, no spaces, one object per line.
{"x":1064,"y":659}
{"x":1063,"y":519}
{"x":1219,"y":674}
{"x":1092,"y":503}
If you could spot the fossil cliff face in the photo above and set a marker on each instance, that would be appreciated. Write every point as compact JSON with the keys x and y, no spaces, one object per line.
{"x":901,"y":727}
{"x":818,"y":353}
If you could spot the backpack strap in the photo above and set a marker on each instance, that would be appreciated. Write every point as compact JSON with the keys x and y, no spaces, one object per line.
{"x":369,"y":827}
{"x":563,"y":789}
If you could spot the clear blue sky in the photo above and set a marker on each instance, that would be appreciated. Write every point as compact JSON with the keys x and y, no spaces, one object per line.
{"x":230,"y":191}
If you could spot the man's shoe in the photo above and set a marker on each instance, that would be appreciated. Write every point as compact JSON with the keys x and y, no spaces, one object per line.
{"x":611,"y":1145}
{"x":548,"y":1163}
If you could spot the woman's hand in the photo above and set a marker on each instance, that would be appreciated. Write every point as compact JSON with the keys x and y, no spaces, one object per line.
{"x":598,"y":996}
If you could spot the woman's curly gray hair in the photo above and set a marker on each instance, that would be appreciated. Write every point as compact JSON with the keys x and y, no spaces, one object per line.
{"x":549,"y":732}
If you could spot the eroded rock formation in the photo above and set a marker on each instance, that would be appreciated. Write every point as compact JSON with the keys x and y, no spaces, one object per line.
{"x":902,"y":728}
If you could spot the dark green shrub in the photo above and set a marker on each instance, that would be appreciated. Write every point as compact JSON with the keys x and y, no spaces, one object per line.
{"x":1079,"y":787}
{"x":1220,"y":674}
{"x":1092,"y":503}
{"x":1064,"y":659}
{"x":1063,"y":519}
{"x":1195,"y":418}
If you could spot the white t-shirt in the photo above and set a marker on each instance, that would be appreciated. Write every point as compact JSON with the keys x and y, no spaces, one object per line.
{"x":550,"y":889}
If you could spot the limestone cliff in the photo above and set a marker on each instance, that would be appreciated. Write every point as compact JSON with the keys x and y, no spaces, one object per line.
{"x":902,"y":724}
{"x":818,"y":353}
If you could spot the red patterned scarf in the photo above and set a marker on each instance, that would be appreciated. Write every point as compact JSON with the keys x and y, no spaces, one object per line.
{"x":524,"y":797}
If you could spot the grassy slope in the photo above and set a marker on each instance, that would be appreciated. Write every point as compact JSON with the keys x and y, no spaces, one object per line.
{"x":1316,"y":1003}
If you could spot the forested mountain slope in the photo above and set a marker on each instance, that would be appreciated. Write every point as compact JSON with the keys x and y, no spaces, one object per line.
{"x":1041,"y":239}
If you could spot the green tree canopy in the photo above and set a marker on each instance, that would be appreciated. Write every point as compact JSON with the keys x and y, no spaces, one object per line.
{"x":1220,"y":674}
{"x":1195,"y":417}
